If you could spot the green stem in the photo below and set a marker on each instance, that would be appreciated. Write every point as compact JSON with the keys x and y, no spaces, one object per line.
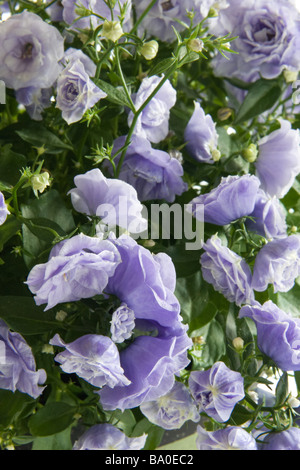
{"x":123,"y":79}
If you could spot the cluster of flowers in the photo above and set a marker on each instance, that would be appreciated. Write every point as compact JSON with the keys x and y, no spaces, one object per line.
{"x":134,"y":363}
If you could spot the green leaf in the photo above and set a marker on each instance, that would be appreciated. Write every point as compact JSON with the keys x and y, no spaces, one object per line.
{"x":262,"y":95}
{"x":215,"y":343}
{"x":53,"y":418}
{"x":162,"y":66}
{"x":11,"y":163}
{"x":114,"y":94}
{"x":9,"y":229}
{"x":11,"y":406}
{"x":59,"y":441}
{"x":24,"y":316}
{"x":240,"y":415}
{"x":289,"y":301}
{"x":38,"y":136}
{"x":187,"y":443}
{"x":282,"y":389}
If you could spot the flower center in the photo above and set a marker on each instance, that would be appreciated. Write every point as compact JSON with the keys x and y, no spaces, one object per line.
{"x":27,"y":51}
{"x":167,"y":6}
{"x":72,"y":91}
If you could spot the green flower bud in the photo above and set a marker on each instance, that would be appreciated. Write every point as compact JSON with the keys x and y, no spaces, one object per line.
{"x":195,"y":45}
{"x":224,"y":113}
{"x":250,"y":154}
{"x":238,"y":343}
{"x":40,"y":182}
{"x":290,"y":76}
{"x":149,"y":50}
{"x":112,"y":30}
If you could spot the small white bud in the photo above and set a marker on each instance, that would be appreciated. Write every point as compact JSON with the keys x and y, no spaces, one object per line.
{"x":238,"y":343}
{"x":48,"y":349}
{"x":40,"y":182}
{"x":61,"y":315}
{"x":290,"y":76}
{"x":250,"y":153}
{"x":254,"y":396}
{"x":293,"y":402}
{"x":195,"y":45}
{"x":149,"y":50}
{"x":112,"y":30}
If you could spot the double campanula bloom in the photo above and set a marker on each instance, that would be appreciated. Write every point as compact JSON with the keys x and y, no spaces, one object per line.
{"x":201,"y":137}
{"x":30,"y":52}
{"x":163,"y":15}
{"x":153,"y":121}
{"x":230,"y":438}
{"x":285,"y":440}
{"x":154,"y":174}
{"x":277,"y":263}
{"x":122,"y":324}
{"x":71,"y":13}
{"x":76,"y":92}
{"x":114,"y":200}
{"x":268,"y":39}
{"x":232,"y":199}
{"x":94,"y":358}
{"x":278,"y":334}
{"x":228,"y":273}
{"x":268,"y":218}
{"x":172,"y":410}
{"x":146,"y":284}
{"x":17,"y":364}
{"x":217,"y":390}
{"x":72,"y":54}
{"x":77,"y":268}
{"x":108,"y":437}
{"x":4,"y":212}
{"x":278,"y":161}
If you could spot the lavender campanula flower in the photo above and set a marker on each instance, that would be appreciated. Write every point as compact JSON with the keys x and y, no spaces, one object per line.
{"x":94,"y":358}
{"x":285,"y":440}
{"x":217,"y":390}
{"x":108,"y":437}
{"x":172,"y":410}
{"x":30,"y":51}
{"x":114,"y":200}
{"x":75,"y":22}
{"x":268,"y":39}
{"x":72,"y":54}
{"x":269,"y":217}
{"x":278,"y":334}
{"x":201,"y":137}
{"x":228,"y":273}
{"x":153,"y":121}
{"x":76,"y":92}
{"x":35,"y":100}
{"x":278,"y":162}
{"x":17,"y":364}
{"x":122,"y":324}
{"x":232,"y":199}
{"x":277,"y":263}
{"x":4,"y":212}
{"x":162,"y":17}
{"x":154,"y":174}
{"x":229,"y":438}
{"x":55,"y":11}
{"x":77,"y":268}
{"x":150,"y":363}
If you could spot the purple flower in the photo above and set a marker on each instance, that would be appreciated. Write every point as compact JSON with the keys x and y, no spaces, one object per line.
{"x":154,"y":174}
{"x":30,"y":52}
{"x":217,"y":390}
{"x":277,"y":263}
{"x":99,"y":7}
{"x":4,"y":212}
{"x":150,"y":364}
{"x":17,"y":364}
{"x":35,"y":100}
{"x":278,"y":334}
{"x":153,"y":122}
{"x":94,"y":358}
{"x":232,"y":199}
{"x":285,"y":440}
{"x":71,"y":55}
{"x":269,"y":217}
{"x":268,"y":39}
{"x":108,"y":437}
{"x":122,"y":324}
{"x":76,"y":93}
{"x":278,"y":161}
{"x":228,"y":273}
{"x":162,"y":17}
{"x":230,"y":438}
{"x":77,"y":268}
{"x":55,"y":11}
{"x":172,"y":410}
{"x":114,"y":200}
{"x":201,"y":137}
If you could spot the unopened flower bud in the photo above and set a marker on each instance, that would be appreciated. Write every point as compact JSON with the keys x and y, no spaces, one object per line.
{"x":254,"y":396}
{"x":47,"y":349}
{"x":224,"y":113}
{"x":216,"y":155}
{"x":112,"y":30}
{"x":293,"y":402}
{"x":294,"y":229}
{"x":290,"y":76}
{"x":250,"y":154}
{"x":149,"y":50}
{"x":238,"y":343}
{"x":40,"y":182}
{"x":195,"y":45}
{"x":61,"y":315}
